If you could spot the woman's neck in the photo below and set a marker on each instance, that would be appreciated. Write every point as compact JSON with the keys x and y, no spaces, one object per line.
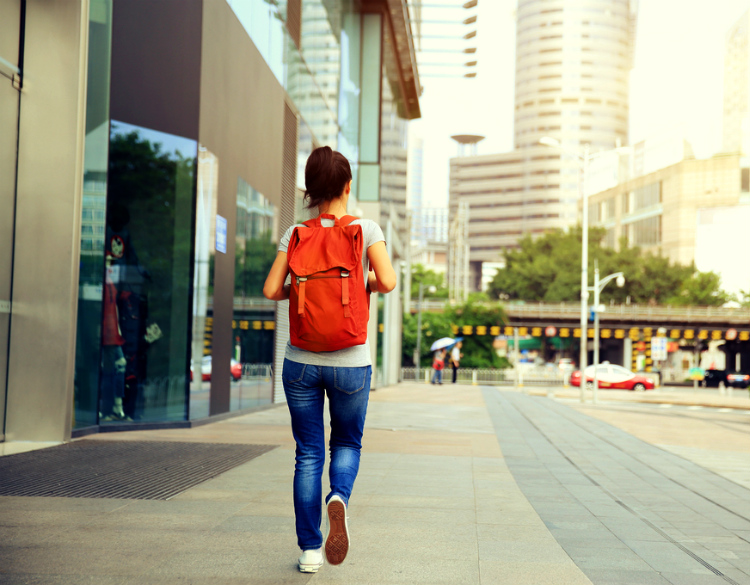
{"x":336,"y":207}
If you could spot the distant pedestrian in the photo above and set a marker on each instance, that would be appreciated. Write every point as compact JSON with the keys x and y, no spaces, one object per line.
{"x":328,"y":353}
{"x":456,"y":356}
{"x":438,"y":363}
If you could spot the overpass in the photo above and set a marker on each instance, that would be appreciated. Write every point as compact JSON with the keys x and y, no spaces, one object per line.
{"x":626,"y":330}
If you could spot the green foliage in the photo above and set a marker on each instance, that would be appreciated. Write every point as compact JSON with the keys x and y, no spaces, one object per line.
{"x":419,"y":274}
{"x":477,"y":349}
{"x":701,"y":289}
{"x":548,"y":269}
{"x":253,"y":259}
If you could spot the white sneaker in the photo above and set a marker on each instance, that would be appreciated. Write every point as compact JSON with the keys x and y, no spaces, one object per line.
{"x":337,"y":542}
{"x":310,"y":561}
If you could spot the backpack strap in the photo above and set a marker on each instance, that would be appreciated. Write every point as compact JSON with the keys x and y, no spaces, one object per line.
{"x":345,"y":292}
{"x":343,"y":221}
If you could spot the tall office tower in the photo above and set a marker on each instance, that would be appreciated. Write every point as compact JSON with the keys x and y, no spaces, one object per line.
{"x":573,"y":59}
{"x":414,"y":184}
{"x":737,"y":87}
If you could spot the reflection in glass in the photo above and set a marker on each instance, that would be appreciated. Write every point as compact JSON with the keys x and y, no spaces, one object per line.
{"x":148,"y":247}
{"x":203,"y":282}
{"x":93,"y":213}
{"x":253,"y":323}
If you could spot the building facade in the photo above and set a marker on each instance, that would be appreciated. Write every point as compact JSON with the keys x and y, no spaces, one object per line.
{"x":149,"y":181}
{"x":573,"y":60}
{"x":659,"y":211}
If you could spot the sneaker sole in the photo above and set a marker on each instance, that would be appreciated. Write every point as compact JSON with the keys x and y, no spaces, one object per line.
{"x":337,"y":543}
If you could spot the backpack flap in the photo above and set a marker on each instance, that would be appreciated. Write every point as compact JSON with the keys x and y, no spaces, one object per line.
{"x":321,"y":249}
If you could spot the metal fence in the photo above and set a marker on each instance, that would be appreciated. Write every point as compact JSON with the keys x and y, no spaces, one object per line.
{"x":257,"y":371}
{"x":529,"y":376}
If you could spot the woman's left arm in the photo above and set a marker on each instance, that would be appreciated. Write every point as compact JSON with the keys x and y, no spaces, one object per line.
{"x":274,"y":288}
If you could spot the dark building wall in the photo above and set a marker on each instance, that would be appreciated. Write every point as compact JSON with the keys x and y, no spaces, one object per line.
{"x":156,"y":64}
{"x":242,"y":124}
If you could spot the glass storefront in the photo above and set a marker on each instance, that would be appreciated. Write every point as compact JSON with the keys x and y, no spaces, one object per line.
{"x":148,"y":245}
{"x":207,"y":192}
{"x":254,"y":316}
{"x":93,"y":214}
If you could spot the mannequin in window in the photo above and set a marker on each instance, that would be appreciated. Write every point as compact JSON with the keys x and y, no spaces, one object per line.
{"x":113,"y":359}
{"x":131,"y":279}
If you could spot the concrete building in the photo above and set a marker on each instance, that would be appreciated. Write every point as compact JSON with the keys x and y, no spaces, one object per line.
{"x":658,"y":211}
{"x":572,"y":72}
{"x":145,"y":184}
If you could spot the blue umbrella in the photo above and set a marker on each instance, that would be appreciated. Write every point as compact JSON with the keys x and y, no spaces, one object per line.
{"x":442,"y":343}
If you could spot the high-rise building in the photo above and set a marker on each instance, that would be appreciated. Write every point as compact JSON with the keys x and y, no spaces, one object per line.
{"x":736,"y":136}
{"x":573,"y":60}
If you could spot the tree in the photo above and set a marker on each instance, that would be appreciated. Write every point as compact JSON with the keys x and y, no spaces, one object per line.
{"x":477,"y":349}
{"x":701,"y":289}
{"x":422,"y":275}
{"x":548,"y":269}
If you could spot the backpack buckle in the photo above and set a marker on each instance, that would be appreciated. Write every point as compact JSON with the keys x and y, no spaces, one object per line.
{"x":344,"y":274}
{"x":301,"y":279}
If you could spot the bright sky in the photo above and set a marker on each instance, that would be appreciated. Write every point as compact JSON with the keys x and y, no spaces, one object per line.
{"x":676,"y":84}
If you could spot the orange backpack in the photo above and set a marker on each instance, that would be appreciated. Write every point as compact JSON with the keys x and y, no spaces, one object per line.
{"x":329,"y":306}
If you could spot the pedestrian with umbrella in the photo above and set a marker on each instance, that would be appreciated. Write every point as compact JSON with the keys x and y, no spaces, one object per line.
{"x":438,"y":363}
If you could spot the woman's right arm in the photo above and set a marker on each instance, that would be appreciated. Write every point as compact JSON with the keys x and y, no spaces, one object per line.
{"x":384,"y":280}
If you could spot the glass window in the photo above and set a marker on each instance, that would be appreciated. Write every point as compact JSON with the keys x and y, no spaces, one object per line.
{"x":207,"y":188}
{"x":88,"y":326}
{"x":146,"y":313}
{"x":646,"y":196}
{"x":645,"y":232}
{"x":254,"y":315}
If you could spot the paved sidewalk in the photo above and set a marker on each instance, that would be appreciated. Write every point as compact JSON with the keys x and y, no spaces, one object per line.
{"x":458,"y":484}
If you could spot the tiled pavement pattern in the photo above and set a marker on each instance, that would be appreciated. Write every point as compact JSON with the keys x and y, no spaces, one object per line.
{"x":625,"y":511}
{"x":436,"y":502}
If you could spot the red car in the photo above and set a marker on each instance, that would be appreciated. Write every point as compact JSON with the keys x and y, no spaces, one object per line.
{"x":235,"y":369}
{"x":614,"y":377}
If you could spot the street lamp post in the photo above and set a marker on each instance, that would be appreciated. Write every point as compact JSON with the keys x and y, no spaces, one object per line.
{"x":597,"y":289}
{"x":585,"y":158}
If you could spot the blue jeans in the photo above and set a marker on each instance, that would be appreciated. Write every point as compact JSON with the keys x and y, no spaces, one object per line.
{"x":437,"y":376}
{"x":348,"y":391}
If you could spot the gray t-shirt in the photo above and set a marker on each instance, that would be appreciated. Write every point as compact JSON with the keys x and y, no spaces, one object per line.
{"x":355,"y":356}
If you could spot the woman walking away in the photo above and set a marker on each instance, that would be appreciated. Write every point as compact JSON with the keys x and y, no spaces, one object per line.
{"x":438,"y":363}
{"x":329,"y":259}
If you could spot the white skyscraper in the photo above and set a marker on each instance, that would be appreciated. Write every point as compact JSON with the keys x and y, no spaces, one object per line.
{"x":573,"y":62}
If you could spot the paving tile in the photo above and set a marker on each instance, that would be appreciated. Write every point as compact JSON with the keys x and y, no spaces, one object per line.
{"x":618,"y":577}
{"x":533,"y":573}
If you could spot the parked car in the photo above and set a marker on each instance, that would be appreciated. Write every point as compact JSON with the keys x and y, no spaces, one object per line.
{"x":613,"y":377}
{"x":712,"y":379}
{"x":235,"y":369}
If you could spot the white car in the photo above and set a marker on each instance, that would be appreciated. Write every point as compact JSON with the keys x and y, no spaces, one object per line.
{"x":612,"y":376}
